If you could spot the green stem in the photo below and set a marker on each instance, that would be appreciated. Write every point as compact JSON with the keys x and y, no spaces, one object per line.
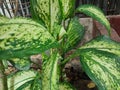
{"x":3,"y":78}
{"x":69,"y":58}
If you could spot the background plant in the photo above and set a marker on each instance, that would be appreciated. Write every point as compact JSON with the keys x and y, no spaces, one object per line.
{"x":53,"y":31}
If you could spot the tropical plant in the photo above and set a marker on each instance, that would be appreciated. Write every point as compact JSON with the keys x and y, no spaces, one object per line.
{"x":52,"y":32}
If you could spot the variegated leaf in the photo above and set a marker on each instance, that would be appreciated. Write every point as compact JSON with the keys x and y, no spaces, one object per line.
{"x":100,"y":59}
{"x":26,"y":86}
{"x":23,"y":37}
{"x":48,"y":11}
{"x":40,"y":10}
{"x":34,"y":84}
{"x":34,"y":10}
{"x":37,"y":83}
{"x":65,"y":86}
{"x":3,"y":19}
{"x":75,"y":33}
{"x":21,"y":63}
{"x":51,"y":73}
{"x":67,"y":7}
{"x":103,"y":43}
{"x":95,"y":13}
{"x":3,"y":77}
{"x":18,"y":79}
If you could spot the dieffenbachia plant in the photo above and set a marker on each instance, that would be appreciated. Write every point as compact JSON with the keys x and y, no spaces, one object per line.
{"x":48,"y":34}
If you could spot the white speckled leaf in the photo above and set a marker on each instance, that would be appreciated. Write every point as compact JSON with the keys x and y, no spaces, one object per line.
{"x":40,"y":10}
{"x":68,"y":7}
{"x":48,"y":11}
{"x":18,"y":79}
{"x":100,"y":59}
{"x":51,"y":73}
{"x":23,"y":37}
{"x":95,"y":13}
{"x":104,"y":43}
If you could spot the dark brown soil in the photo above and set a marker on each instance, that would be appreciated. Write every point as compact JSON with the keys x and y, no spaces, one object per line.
{"x":77,"y":77}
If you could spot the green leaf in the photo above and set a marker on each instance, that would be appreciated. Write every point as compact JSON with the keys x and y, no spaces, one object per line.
{"x":32,"y":85}
{"x":100,"y":59}
{"x":22,"y":37}
{"x":75,"y":33}
{"x":36,"y":85}
{"x":62,"y":33}
{"x":57,"y":28}
{"x":3,"y":78}
{"x":59,"y":32}
{"x":68,"y":7}
{"x":18,"y":79}
{"x":5,"y":63}
{"x":40,"y":10}
{"x":48,"y":11}
{"x":34,"y":11}
{"x":103,"y":43}
{"x":51,"y":73}
{"x":3,"y":19}
{"x":96,"y":14}
{"x":26,"y":86}
{"x":21,"y":64}
{"x":66,"y":86}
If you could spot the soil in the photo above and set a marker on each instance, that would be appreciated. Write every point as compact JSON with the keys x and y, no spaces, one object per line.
{"x":77,"y":77}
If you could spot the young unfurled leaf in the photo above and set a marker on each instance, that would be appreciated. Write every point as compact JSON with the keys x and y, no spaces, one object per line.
{"x":96,"y":14}
{"x":22,"y":37}
{"x":100,"y":59}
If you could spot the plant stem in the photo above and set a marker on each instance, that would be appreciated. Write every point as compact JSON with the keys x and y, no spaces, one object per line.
{"x":3,"y":78}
